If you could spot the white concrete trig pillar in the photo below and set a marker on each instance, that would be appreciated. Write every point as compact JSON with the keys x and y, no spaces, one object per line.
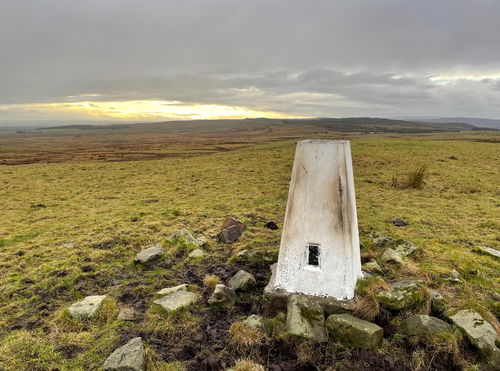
{"x":319,"y":251}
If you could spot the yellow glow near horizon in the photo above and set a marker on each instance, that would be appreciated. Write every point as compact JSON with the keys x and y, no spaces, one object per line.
{"x":147,"y":110}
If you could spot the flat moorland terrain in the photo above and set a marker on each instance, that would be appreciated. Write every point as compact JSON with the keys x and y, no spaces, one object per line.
{"x":113,"y":195}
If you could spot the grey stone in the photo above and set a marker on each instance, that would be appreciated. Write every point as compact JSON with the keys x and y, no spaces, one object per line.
{"x":454,"y":277}
{"x":69,"y":245}
{"x":423,"y":325}
{"x":402,"y":296}
{"x":177,"y":300}
{"x":127,"y":314}
{"x":488,"y":251}
{"x":372,"y":267}
{"x":391,"y":256}
{"x":129,"y":357}
{"x":186,"y":238}
{"x":87,"y":308}
{"x":438,"y":302}
{"x":170,"y":290}
{"x":480,"y":333}
{"x":242,"y":281}
{"x":229,"y":222}
{"x":223,"y":296}
{"x":305,"y":318}
{"x":353,"y":331}
{"x":257,"y":256}
{"x":197,"y":253}
{"x":150,"y":255}
{"x":254,"y":321}
{"x":229,"y":235}
{"x":404,"y":248}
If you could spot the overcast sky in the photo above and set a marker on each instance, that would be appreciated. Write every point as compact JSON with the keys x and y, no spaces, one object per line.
{"x":292,"y":58}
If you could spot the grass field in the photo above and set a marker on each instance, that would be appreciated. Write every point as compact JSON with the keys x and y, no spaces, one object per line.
{"x":112,"y":209}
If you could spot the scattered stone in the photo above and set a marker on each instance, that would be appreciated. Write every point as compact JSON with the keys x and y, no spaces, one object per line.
{"x":372,"y":267}
{"x":454,"y":277}
{"x":152,"y":201}
{"x":229,"y":235}
{"x":438,"y":303}
{"x":177,"y":300}
{"x":404,"y":248}
{"x":480,"y":333}
{"x":271,"y":225}
{"x":257,"y":256}
{"x":197,"y":253}
{"x":404,"y":295}
{"x":38,"y":206}
{"x":399,"y":223}
{"x":134,"y":218}
{"x":242,"y":281}
{"x":129,"y":357}
{"x":453,"y":158}
{"x":255,"y":321}
{"x":150,"y":255}
{"x":170,"y":290}
{"x":353,"y":331}
{"x":229,"y":222}
{"x":305,"y":318}
{"x":223,"y":296}
{"x":127,"y":314}
{"x":87,"y":308}
{"x":391,"y":256}
{"x":488,"y":251}
{"x":185,"y":237}
{"x":423,"y":325}
{"x":69,"y":245}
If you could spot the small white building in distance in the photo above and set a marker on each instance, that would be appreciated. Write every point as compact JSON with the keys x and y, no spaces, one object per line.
{"x":319,"y":251}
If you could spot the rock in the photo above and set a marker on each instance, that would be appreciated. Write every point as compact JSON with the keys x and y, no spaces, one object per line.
{"x":185,"y":238}
{"x":127,"y":314}
{"x":271,"y":225}
{"x":229,"y":222}
{"x":399,"y":223}
{"x":70,"y":245}
{"x":438,"y":303}
{"x":423,"y":325}
{"x":150,"y":255}
{"x":488,"y":251}
{"x":453,"y":158}
{"x":229,"y":235}
{"x":404,"y":248}
{"x":257,"y":256}
{"x":305,"y":318}
{"x":170,"y":290}
{"x":87,"y":308}
{"x":372,"y":267}
{"x":255,"y":321}
{"x":353,"y":331}
{"x":480,"y":333}
{"x":177,"y":300}
{"x":403,"y":296}
{"x":129,"y":357}
{"x":242,"y":281}
{"x":391,"y":256}
{"x":197,"y":253}
{"x":223,"y":296}
{"x":454,"y":277}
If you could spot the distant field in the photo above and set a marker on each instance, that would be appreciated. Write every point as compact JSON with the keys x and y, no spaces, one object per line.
{"x":99,"y":192}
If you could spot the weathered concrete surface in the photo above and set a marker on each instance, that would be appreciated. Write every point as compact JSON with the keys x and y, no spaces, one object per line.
{"x":150,"y":255}
{"x":129,"y":357}
{"x":87,"y":308}
{"x":480,"y":333}
{"x":423,"y":325}
{"x":353,"y":331}
{"x":321,"y":210}
{"x":177,"y":300}
{"x":242,"y":281}
{"x":305,"y":318}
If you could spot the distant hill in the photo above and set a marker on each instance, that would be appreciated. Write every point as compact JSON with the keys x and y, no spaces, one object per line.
{"x":485,"y":123}
{"x":349,"y":124}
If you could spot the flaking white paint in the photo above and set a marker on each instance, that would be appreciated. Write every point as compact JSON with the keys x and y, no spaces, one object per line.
{"x":321,"y":209}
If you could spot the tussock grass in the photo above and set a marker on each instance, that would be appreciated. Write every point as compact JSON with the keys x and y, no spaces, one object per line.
{"x":243,"y":338}
{"x":416,"y":177}
{"x":247,"y":365}
{"x":210,"y":281}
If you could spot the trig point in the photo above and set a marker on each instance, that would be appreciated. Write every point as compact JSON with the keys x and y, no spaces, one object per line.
{"x":319,"y":251}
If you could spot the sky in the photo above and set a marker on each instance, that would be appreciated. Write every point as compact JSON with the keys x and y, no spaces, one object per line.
{"x":189,"y":59}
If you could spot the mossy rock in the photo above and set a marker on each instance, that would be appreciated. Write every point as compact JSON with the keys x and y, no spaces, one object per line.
{"x":403,"y":296}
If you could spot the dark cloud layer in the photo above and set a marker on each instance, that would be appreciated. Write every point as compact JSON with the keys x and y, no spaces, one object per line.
{"x":319,"y":58}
